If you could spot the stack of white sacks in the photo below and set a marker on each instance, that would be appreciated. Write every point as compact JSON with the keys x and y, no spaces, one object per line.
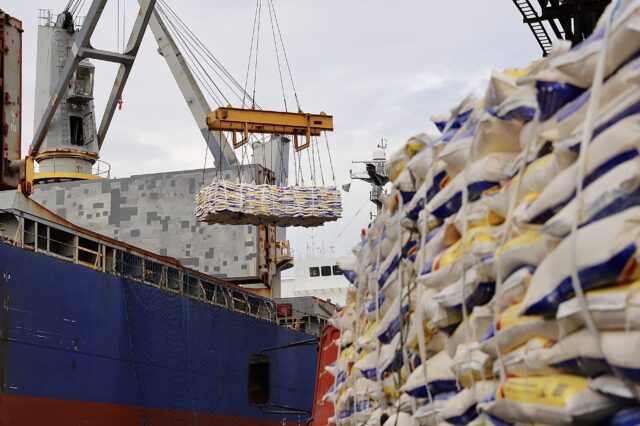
{"x":233,"y":203}
{"x":463,"y":308}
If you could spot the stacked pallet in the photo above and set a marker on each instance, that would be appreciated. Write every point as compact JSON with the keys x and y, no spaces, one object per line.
{"x":499,"y":285}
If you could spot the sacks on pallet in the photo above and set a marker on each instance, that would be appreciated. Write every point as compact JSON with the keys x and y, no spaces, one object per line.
{"x":551,"y":400}
{"x":241,"y":203}
{"x":605,"y":253}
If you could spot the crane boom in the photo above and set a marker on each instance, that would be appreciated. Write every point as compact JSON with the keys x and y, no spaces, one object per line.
{"x":220,"y":148}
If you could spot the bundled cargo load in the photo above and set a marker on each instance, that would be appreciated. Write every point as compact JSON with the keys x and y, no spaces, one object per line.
{"x":231,"y":203}
{"x":499,"y":284}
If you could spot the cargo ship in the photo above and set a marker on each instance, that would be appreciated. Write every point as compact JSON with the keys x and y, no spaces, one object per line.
{"x":104,"y":328}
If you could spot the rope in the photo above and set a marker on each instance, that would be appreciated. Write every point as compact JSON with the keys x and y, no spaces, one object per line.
{"x":349,"y":223}
{"x":587,"y":136}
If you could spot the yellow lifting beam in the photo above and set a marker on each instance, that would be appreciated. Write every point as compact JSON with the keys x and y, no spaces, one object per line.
{"x":249,"y":121}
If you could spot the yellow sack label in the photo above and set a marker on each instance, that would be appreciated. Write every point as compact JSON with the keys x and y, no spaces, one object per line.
{"x":480,"y":234}
{"x":529,"y":237}
{"x":552,"y":391}
{"x":346,"y":354}
{"x":511,"y":316}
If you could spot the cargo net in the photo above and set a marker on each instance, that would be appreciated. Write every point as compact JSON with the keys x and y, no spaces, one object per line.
{"x":500,"y":282}
{"x":232,"y":203}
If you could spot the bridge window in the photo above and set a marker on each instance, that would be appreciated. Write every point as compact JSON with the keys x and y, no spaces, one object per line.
{"x":337,"y":270}
{"x":326,"y":271}
{"x":314,"y":271}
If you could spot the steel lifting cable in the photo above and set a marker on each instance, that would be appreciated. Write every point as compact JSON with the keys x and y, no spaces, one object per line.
{"x":246,"y":78}
{"x":275,"y":46}
{"x":284,"y":51}
{"x":333,"y":173}
{"x":118,"y":25}
{"x":319,"y":160}
{"x":124,"y":23}
{"x":255,"y":68}
{"x":200,"y":69}
{"x":197,"y":71}
{"x":76,"y":13}
{"x":210,"y":59}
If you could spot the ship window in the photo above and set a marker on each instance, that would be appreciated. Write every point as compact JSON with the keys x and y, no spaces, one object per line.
{"x":76,"y":127}
{"x":326,"y":271}
{"x":337,"y":270}
{"x":314,"y":271}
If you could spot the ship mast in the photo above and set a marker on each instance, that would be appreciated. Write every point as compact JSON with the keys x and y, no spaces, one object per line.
{"x":374,"y":174}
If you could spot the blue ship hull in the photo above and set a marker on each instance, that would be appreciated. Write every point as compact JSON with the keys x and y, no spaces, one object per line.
{"x":81,"y":346}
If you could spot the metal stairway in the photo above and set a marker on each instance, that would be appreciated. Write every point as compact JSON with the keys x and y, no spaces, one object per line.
{"x":537,"y":28}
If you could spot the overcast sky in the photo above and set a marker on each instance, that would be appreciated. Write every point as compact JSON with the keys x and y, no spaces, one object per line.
{"x":381,"y":68}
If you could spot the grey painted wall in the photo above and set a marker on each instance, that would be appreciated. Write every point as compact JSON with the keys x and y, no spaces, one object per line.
{"x":155,"y":212}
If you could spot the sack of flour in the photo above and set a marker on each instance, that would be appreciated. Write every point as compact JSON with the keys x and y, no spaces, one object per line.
{"x":518,"y":363}
{"x":483,"y":174}
{"x":615,"y":191}
{"x":514,"y":288}
{"x":460,"y":410}
{"x":512,"y":330}
{"x":471,"y":364}
{"x":456,"y":152}
{"x":527,"y":249}
{"x":612,"y":308}
{"x":537,"y":175}
{"x":474,"y":328}
{"x":495,"y":135}
{"x":475,"y":290}
{"x":437,"y":378}
{"x":607,"y":253}
{"x":579,"y":353}
{"x":549,"y":400}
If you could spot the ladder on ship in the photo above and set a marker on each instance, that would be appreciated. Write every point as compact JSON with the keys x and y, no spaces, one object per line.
{"x":531,"y":18}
